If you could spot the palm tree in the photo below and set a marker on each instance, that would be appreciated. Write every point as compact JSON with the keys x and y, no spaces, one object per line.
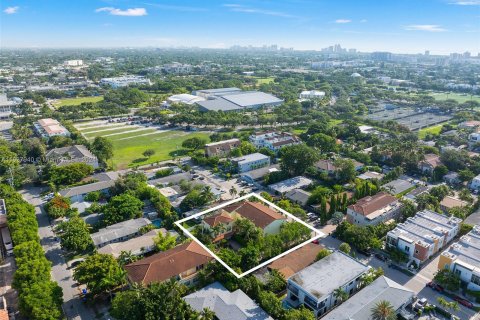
{"x":383,"y":310}
{"x":340,"y":294}
{"x":207,"y":194}
{"x":233,"y":191}
{"x":207,"y":314}
{"x":242,"y":193}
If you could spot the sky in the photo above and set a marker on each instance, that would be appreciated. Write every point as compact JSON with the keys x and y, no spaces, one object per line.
{"x":401,"y":26}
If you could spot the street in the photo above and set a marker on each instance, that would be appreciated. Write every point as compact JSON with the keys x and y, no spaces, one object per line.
{"x":416,"y":283}
{"x":73,"y":307}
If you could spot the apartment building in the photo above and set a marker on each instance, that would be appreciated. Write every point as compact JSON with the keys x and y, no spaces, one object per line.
{"x":463,"y":258}
{"x":48,"y":128}
{"x":273,"y":140}
{"x":372,"y":210}
{"x":125,"y":81}
{"x":423,"y":235}
{"x":315,"y":285}
{"x":251,"y":162}
{"x":221,"y":148}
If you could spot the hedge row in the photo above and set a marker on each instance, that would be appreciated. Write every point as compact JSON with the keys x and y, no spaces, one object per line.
{"x":39,"y":297}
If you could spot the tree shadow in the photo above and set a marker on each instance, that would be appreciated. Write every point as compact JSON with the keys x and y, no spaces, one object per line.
{"x":178,"y":153}
{"x":138,"y":160}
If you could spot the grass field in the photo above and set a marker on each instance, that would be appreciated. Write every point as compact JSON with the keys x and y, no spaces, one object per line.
{"x":459,"y":97}
{"x":76,"y":101}
{"x":264,"y":80}
{"x":435,"y":130}
{"x":128,"y":145}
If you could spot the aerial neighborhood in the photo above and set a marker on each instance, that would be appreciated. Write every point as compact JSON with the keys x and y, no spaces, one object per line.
{"x":249,"y":182}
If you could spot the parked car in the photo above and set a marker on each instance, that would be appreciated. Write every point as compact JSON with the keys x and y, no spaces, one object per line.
{"x":463,"y":302}
{"x":380,"y":257}
{"x":435,"y":286}
{"x":420,"y":304}
{"x":367,"y":252}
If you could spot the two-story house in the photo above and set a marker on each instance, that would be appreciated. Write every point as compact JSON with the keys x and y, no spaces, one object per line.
{"x":372,"y":210}
{"x":221,"y":148}
{"x":314,"y":287}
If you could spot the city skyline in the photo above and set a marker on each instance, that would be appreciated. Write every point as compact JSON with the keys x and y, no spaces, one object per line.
{"x":439,"y":26}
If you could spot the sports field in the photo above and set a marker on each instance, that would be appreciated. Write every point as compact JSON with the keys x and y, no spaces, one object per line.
{"x":459,"y":97}
{"x":130,"y":141}
{"x":76,"y":101}
{"x":264,"y":80}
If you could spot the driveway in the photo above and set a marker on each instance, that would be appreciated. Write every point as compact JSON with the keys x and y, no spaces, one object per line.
{"x":73,"y":307}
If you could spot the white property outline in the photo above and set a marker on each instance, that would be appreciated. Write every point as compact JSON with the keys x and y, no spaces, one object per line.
{"x":185,"y":231}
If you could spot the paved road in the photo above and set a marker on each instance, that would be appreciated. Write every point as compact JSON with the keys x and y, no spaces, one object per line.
{"x":74,"y":308}
{"x":416,"y":283}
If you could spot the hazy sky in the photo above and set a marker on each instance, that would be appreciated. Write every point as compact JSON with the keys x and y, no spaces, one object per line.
{"x":409,"y":26}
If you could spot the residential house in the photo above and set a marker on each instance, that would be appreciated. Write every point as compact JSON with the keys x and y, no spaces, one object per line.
{"x":430,"y":163}
{"x":171,"y":179}
{"x":273,"y":140}
{"x":463,"y":259}
{"x":170,"y":193}
{"x":296,"y":260}
{"x":181,"y":263}
{"x":262,"y":216}
{"x":359,"y":307}
{"x":450,"y":202}
{"x":72,"y":154}
{"x":474,"y":140}
{"x":471,"y":124}
{"x":118,"y":232}
{"x":328,"y":166}
{"x":298,"y":196}
{"x":475,"y":184}
{"x":256,"y":176}
{"x":315,"y":286}
{"x":423,"y":235}
{"x":136,"y":246}
{"x":412,"y":195}
{"x":221,"y":148}
{"x":398,"y":186}
{"x":372,"y":210}
{"x":251,"y":162}
{"x":451,"y":178}
{"x":285,"y":186}
{"x":371,"y":175}
{"x":105,"y":181}
{"x":225,"y":304}
{"x":220,"y":225}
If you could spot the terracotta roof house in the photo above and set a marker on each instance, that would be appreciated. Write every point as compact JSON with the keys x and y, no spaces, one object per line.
{"x":182,"y":263}
{"x":372,"y":210}
{"x":296,"y":260}
{"x":430,"y":163}
{"x":262,"y":216}
{"x":222,"y":218}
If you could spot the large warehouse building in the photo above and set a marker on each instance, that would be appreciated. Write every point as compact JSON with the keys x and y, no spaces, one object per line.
{"x":234,"y":99}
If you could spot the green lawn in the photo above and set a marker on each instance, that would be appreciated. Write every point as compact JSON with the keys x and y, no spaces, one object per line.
{"x":91,"y":135}
{"x":77,"y":101}
{"x":435,"y":130}
{"x":128,"y":152}
{"x":459,"y":97}
{"x":264,"y":80}
{"x":96,"y":128}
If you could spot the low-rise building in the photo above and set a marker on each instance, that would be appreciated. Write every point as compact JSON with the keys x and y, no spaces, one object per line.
{"x":372,"y":210}
{"x":72,"y":154}
{"x":475,"y":184}
{"x":430,"y":163}
{"x":296,"y":260}
{"x":359,"y":307}
{"x":451,"y":178}
{"x":315,"y":285}
{"x":298,"y":196}
{"x":285,"y":186}
{"x":185,"y":98}
{"x":474,"y":140}
{"x":398,"y":186}
{"x":221,"y":148}
{"x":463,"y":258}
{"x":170,"y":193}
{"x":105,"y":182}
{"x":273,"y":140}
{"x":370,"y":175}
{"x":181,"y":263}
{"x":225,"y":304}
{"x":257,"y":175}
{"x":3,"y":213}
{"x":7,"y":106}
{"x":251,"y":162}
{"x":471,"y":124}
{"x":118,"y":232}
{"x":328,"y":166}
{"x":312,"y":94}
{"x":125,"y":81}
{"x":423,"y":235}
{"x":136,"y":246}
{"x":450,"y":202}
{"x":48,"y":128}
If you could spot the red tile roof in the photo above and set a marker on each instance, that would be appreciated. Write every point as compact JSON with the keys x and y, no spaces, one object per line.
{"x":165,"y":265}
{"x":216,"y":219}
{"x":296,"y":260}
{"x":258,"y":213}
{"x":370,"y":204}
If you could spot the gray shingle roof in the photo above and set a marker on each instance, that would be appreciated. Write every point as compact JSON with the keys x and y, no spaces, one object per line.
{"x":118,"y":231}
{"x":225,"y":304}
{"x":360,"y":305}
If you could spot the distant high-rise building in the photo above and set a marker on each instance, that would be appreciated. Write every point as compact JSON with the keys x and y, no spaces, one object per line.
{"x":467,"y":54}
{"x":427,"y":52}
{"x":382,"y":56}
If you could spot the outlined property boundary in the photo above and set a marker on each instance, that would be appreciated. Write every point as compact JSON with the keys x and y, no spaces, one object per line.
{"x":179,"y":223}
